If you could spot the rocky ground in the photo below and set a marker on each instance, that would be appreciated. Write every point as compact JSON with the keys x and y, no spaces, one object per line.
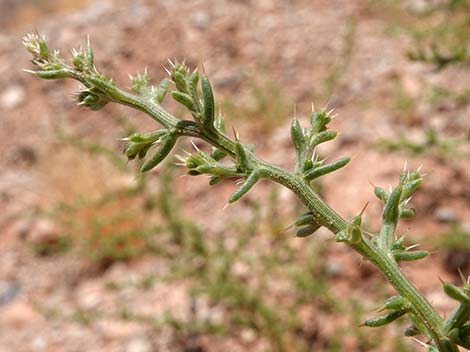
{"x":262,"y":57}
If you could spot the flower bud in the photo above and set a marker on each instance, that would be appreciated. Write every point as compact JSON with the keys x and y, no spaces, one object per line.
{"x":140,"y":143}
{"x":140,"y":83}
{"x":399,"y":245}
{"x":406,"y":213}
{"x":318,"y":121}
{"x":91,"y":100}
{"x":78,"y":60}
{"x":381,"y":194}
{"x":37,"y":46}
{"x":179,"y":75}
{"x":414,"y":175}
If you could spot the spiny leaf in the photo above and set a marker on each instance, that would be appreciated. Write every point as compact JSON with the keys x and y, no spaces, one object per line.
{"x":406,"y":213}
{"x":241,"y":157}
{"x":193,"y":81}
{"x":323,"y":170}
{"x":218,"y":154}
{"x":410,"y":187}
{"x":168,"y":142}
{"x":322,"y":137}
{"x":219,"y":124}
{"x":319,"y":120}
{"x":456,"y":293}
{"x":381,"y":194}
{"x":390,"y":212}
{"x":89,"y":56}
{"x":214,"y":180}
{"x":250,"y":181}
{"x":142,"y":137}
{"x":307,"y":230}
{"x":409,"y":256}
{"x":52,"y":74}
{"x":395,"y":303}
{"x":184,"y":99}
{"x":208,"y":103}
{"x":297,"y":136}
{"x":385,"y":319}
{"x":216,"y":169}
{"x":305,"y":219}
{"x":355,"y":233}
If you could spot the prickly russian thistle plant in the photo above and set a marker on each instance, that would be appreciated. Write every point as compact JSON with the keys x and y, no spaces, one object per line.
{"x":385,"y":250}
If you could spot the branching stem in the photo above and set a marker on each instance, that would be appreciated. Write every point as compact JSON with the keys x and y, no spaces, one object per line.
{"x":383,"y":251}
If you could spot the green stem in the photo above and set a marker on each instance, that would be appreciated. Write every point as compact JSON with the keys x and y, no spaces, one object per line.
{"x":335,"y":223}
{"x":296,"y":183}
{"x":324,"y":215}
{"x":386,"y":264}
{"x":385,"y":239}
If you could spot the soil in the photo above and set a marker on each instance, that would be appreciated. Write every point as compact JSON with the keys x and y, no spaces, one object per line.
{"x":298,"y":46}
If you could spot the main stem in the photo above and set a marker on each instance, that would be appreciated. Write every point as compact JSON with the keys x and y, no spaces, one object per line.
{"x":327,"y":217}
{"x":323,"y":213}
